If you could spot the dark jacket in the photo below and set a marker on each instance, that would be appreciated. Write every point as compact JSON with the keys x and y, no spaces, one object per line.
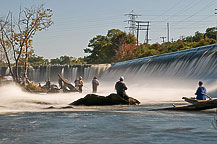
{"x":120,"y":87}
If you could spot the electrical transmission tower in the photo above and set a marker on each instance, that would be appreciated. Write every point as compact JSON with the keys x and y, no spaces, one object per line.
{"x":132,"y":22}
{"x":136,"y":26}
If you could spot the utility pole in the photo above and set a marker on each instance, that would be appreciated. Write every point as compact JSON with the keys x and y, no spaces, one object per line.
{"x":163,"y":38}
{"x":137,"y":35}
{"x":168,"y":32}
{"x":140,"y":26}
{"x":147,"y":34}
{"x":132,"y":22}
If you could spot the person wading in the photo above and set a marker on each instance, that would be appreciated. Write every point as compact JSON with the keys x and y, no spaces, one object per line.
{"x":95,"y":84}
{"x":76,"y":83}
{"x":80,"y":84}
{"x":48,"y":84}
{"x":121,"y":87}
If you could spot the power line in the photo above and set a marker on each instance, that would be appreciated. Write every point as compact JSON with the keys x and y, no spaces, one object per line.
{"x":169,"y":9}
{"x":187,"y":7}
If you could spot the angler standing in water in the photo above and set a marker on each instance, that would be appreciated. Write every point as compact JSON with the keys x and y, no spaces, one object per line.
{"x":47,"y":84}
{"x":201,"y":92}
{"x":95,"y":84}
{"x":80,"y":84}
{"x":120,"y":87}
{"x":76,"y":83}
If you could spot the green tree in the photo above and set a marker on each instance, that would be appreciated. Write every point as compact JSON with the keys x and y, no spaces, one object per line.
{"x":98,"y":49}
{"x":55,"y":61}
{"x":64,"y":60}
{"x":211,"y":33}
{"x":103,"y":49}
{"x":37,"y":60}
{"x":196,"y":38}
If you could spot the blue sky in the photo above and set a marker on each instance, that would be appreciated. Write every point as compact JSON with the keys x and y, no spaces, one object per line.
{"x":78,"y":21}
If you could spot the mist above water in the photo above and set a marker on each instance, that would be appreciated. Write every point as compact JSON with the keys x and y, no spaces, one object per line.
{"x":13,"y":99}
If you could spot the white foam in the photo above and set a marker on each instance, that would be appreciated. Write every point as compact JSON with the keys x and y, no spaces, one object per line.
{"x":13,"y":99}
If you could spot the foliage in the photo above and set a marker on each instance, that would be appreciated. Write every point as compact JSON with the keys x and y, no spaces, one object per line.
{"x":102,"y":49}
{"x":55,"y":61}
{"x":118,"y":46}
{"x":66,"y":60}
{"x":37,"y":60}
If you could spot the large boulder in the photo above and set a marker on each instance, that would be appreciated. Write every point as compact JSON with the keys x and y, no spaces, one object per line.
{"x":112,"y":99}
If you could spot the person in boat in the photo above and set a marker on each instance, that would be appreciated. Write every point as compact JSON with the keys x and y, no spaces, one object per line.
{"x":201,"y":92}
{"x":121,"y":87}
{"x":80,"y":84}
{"x":95,"y":84}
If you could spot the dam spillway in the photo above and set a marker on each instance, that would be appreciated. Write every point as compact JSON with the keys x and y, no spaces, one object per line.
{"x":196,"y":63}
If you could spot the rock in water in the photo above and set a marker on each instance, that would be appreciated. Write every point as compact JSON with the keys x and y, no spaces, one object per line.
{"x":112,"y":99}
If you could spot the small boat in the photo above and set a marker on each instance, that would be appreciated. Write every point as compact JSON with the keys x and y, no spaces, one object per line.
{"x":195,"y":105}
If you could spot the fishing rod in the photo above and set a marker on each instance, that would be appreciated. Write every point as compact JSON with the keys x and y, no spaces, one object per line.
{"x":209,"y":97}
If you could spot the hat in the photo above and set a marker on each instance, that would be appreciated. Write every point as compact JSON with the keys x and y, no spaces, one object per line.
{"x":121,"y":78}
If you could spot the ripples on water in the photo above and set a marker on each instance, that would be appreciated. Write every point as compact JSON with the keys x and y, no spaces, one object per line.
{"x":111,"y":124}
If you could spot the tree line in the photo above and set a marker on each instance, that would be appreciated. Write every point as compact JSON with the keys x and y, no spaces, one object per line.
{"x":63,"y":60}
{"x":119,"y":46}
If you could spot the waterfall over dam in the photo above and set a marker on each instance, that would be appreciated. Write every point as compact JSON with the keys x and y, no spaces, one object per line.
{"x":194,"y":64}
{"x":70,"y":72}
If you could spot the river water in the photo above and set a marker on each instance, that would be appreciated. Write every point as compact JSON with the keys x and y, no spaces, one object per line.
{"x":24,"y":118}
{"x":157,"y":82}
{"x":109,"y":125}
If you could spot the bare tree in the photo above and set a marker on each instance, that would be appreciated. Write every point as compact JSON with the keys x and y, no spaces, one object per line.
{"x":17,"y":36}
